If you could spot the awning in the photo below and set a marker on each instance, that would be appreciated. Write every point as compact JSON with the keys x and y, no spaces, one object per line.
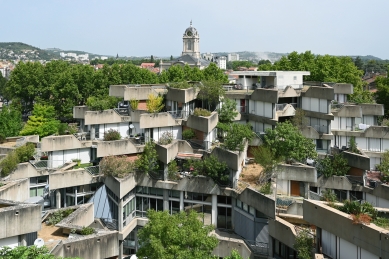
{"x":189,"y":156}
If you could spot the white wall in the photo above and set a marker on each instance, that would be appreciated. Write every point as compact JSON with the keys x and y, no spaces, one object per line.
{"x":121,"y":127}
{"x":58,"y":158}
{"x":263,"y":109}
{"x":176,"y":131}
{"x":376,"y":201}
{"x":282,"y":187}
{"x":10,"y":241}
{"x":315,"y":104}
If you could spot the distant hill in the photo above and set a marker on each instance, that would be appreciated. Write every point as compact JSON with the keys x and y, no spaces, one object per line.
{"x":22,"y":51}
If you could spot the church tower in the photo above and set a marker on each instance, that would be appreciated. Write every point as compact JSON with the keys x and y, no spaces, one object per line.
{"x":191,"y":42}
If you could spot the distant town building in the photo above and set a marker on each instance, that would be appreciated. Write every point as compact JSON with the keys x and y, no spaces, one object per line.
{"x":208,"y":56}
{"x":103,"y":57}
{"x":233,"y":57}
{"x":221,"y":62}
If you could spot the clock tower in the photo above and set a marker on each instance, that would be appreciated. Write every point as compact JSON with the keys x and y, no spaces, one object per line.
{"x":191,"y":41}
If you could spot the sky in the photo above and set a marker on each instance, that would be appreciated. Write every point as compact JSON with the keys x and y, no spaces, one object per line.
{"x":155,"y":27}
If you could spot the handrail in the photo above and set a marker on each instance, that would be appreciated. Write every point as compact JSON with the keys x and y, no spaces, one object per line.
{"x":122,"y":111}
{"x":259,"y":248}
{"x":111,"y":224}
{"x":180,"y":115}
{"x":93,"y":170}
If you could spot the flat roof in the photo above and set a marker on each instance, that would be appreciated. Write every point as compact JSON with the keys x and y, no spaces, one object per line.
{"x":270,"y":73}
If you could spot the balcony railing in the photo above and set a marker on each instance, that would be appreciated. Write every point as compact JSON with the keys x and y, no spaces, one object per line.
{"x":122,"y":111}
{"x":321,"y":129}
{"x":93,"y":170}
{"x":180,"y":115}
{"x":281,"y":106}
{"x":258,"y":248}
{"x":111,"y":224}
{"x":242,"y":109}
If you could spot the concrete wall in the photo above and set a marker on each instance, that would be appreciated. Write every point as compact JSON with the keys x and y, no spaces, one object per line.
{"x":334,"y":182}
{"x":26,"y":170}
{"x":226,"y":245}
{"x":368,"y":237}
{"x":349,"y":111}
{"x":117,"y":90}
{"x":103,"y":245}
{"x":104,"y":117}
{"x":297,"y":172}
{"x":16,"y":190}
{"x":64,"y":142}
{"x":357,"y":160}
{"x":181,"y":95}
{"x":135,"y":115}
{"x":372,"y":109}
{"x":79,"y":112}
{"x":233,"y":159}
{"x":319,"y":92}
{"x":166,"y":153}
{"x":121,"y":187}
{"x":138,"y":93}
{"x":381,"y":191}
{"x":283,"y":231}
{"x":259,"y":201}
{"x":343,"y":88}
{"x":82,"y":216}
{"x":310,"y":132}
{"x":19,"y":219}
{"x":265,"y":95}
{"x":117,"y":147}
{"x":77,"y":177}
{"x":155,"y":120}
{"x":204,"y":124}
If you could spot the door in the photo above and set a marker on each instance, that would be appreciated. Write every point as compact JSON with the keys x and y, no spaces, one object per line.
{"x":294,"y":188}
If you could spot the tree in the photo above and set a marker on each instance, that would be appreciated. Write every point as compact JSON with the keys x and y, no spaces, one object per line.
{"x":234,"y":255}
{"x":102,"y":103}
{"x":3,"y":82}
{"x":151,"y":59}
{"x":287,"y":142}
{"x":116,"y":166}
{"x":42,"y":122}
{"x":171,"y":57}
{"x":10,"y":121}
{"x":148,"y":160}
{"x":384,"y":166}
{"x":213,"y":73}
{"x":303,"y":244}
{"x":358,"y":63}
{"x":179,"y":235}
{"x":236,"y":134}
{"x":353,"y":146}
{"x":154,"y":103}
{"x":382,"y":94}
{"x":211,"y":92}
{"x":27,"y":252}
{"x":299,"y":120}
{"x":335,"y":165}
{"x":227,"y":112}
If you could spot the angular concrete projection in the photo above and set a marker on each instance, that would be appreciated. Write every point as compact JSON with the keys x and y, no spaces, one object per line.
{"x":104,"y":117}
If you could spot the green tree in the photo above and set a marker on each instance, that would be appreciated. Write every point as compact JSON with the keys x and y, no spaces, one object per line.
{"x":236,"y":134}
{"x":286,"y":141}
{"x":335,"y":165}
{"x":213,"y":73}
{"x":384,"y":166}
{"x":304,"y":244}
{"x":154,"y":104}
{"x":358,"y":63}
{"x":10,"y":121}
{"x":382,"y":94}
{"x":102,"y":103}
{"x":234,"y":255}
{"x":227,"y":112}
{"x":211,"y":92}
{"x":148,"y":160}
{"x":27,"y":252}
{"x":175,"y":73}
{"x":299,"y":120}
{"x":42,"y":122}
{"x":179,"y":235}
{"x":3,"y":82}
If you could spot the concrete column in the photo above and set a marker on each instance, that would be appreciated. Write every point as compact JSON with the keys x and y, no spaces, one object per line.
{"x":307,"y":190}
{"x":233,"y":202}
{"x":64,"y":195}
{"x":214,"y":209}
{"x":136,"y":239}
{"x":318,"y":241}
{"x":120,"y":249}
{"x":166,"y":200}
{"x":348,"y":195}
{"x":270,"y":245}
{"x":92,"y":132}
{"x":58,"y":198}
{"x":181,"y":200}
{"x":120,"y":218}
{"x":165,"y":172}
{"x":75,"y":196}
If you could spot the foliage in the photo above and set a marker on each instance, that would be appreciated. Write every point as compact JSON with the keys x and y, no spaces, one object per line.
{"x":179,"y":235}
{"x":67,"y":128}
{"x":148,"y":160}
{"x":303,"y":244}
{"x":27,"y":252}
{"x":211,"y":92}
{"x":116,"y":166}
{"x":299,"y":120}
{"x":227,"y":112}
{"x":180,"y":85}
{"x":10,"y":121}
{"x":236,"y":134}
{"x":42,"y":122}
{"x":58,"y":216}
{"x":87,"y":231}
{"x":154,"y":103}
{"x":235,"y":65}
{"x":134,"y":104}
{"x":360,"y":213}
{"x":382,"y":94}
{"x":383,"y":167}
{"x":111,"y":135}
{"x":201,"y":112}
{"x":214,"y":74}
{"x":381,"y":222}
{"x":166,"y":138}
{"x":209,"y":166}
{"x":265,"y":156}
{"x":352,"y":146}
{"x":172,"y":170}
{"x":328,"y":196}
{"x":102,"y":103}
{"x":324,"y":69}
{"x":286,"y":141}
{"x":188,"y":134}
{"x":335,"y":165}
{"x":266,"y":188}
{"x":19,"y":155}
{"x":234,"y":255}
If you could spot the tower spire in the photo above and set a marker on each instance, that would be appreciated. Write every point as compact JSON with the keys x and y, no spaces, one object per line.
{"x":190,"y":22}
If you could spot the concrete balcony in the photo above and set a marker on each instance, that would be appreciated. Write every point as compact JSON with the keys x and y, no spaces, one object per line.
{"x":158,"y":120}
{"x":320,"y":92}
{"x":283,"y":231}
{"x":285,"y":109}
{"x":105,"y":117}
{"x":372,"y":109}
{"x":117,"y":147}
{"x":167,"y":153}
{"x":135,"y":115}
{"x":317,"y":132}
{"x":16,"y":190}
{"x":297,"y":172}
{"x":343,"y":88}
{"x":26,"y":170}
{"x":63,"y":142}
{"x":71,"y":178}
{"x":334,"y":182}
{"x":346,"y":110}
{"x":204,"y":124}
{"x":79,"y":112}
{"x":181,"y":95}
{"x":135,"y":92}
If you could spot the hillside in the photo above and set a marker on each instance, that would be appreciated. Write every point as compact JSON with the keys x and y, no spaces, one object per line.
{"x":22,"y":51}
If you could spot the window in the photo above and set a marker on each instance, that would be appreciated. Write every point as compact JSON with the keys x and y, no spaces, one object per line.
{"x":189,"y":45}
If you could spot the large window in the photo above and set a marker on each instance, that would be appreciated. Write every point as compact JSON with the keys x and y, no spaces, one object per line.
{"x":143,"y":204}
{"x":204,"y":210}
{"x":37,"y":185}
{"x":128,"y":212}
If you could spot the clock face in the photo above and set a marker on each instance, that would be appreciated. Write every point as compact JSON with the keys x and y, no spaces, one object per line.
{"x":189,"y":33}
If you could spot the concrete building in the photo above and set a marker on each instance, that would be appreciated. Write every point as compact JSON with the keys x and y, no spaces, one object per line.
{"x":221,"y":62}
{"x":232,"y":57}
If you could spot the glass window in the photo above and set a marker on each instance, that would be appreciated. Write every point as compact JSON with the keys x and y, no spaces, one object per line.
{"x":238,"y":204}
{"x":252,"y":211}
{"x":174,"y":194}
{"x":245,"y":207}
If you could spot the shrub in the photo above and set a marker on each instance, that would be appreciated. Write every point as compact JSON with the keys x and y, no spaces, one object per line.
{"x":134,"y":104}
{"x":328,"y":196}
{"x":188,"y":134}
{"x":180,"y":85}
{"x":116,"y":166}
{"x":166,"y":138}
{"x":102,"y":103}
{"x":303,"y":245}
{"x":266,"y":188}
{"x":20,"y":155}
{"x":87,"y":231}
{"x":154,"y":103}
{"x":201,"y":112}
{"x":148,"y":160}
{"x":112,"y":135}
{"x":352,"y":146}
{"x":58,"y":216}
{"x":24,"y":153}
{"x":335,"y":165}
{"x":359,"y":213}
{"x":173,"y":171}
{"x":64,"y":128}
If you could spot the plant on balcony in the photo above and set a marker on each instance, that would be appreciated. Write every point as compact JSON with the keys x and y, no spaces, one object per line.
{"x":210,"y":92}
{"x":333,"y":165}
{"x":384,"y":167}
{"x":154,"y":104}
{"x":111,"y":135}
{"x":227,"y":112}
{"x":134,"y":104}
{"x":353,"y":146}
{"x":209,"y":166}
{"x":299,"y":120}
{"x":201,"y":112}
{"x":235,"y":136}
{"x":19,"y":252}
{"x":87,"y":231}
{"x":58,"y":216}
{"x":329,"y":196}
{"x":180,"y":85}
{"x":65,"y":128}
{"x":42,"y":122}
{"x":188,"y":134}
{"x":173,"y":171}
{"x":360,"y":213}
{"x":102,"y":103}
{"x":166,"y":138}
{"x":266,"y":188}
{"x":19,"y":155}
{"x":116,"y":166}
{"x":148,"y":160}
{"x":303,"y":244}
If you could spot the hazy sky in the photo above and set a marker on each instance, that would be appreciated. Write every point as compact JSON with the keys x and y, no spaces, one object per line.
{"x":142,"y":28}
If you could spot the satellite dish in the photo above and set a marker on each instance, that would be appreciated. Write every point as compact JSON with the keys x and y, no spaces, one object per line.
{"x":39,"y":242}
{"x":131,"y":126}
{"x":133,"y":257}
